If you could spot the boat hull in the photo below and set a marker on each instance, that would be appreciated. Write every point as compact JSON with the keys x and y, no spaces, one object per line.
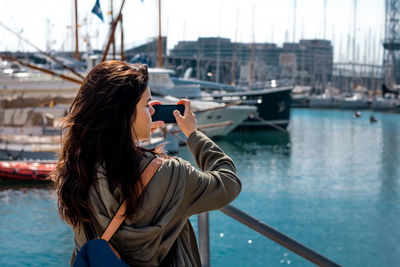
{"x":10,"y":154}
{"x":273,"y":107}
{"x":386,"y":104}
{"x":354,"y":103}
{"x":27,"y":147}
{"x":233,"y":114}
{"x":324,"y":102}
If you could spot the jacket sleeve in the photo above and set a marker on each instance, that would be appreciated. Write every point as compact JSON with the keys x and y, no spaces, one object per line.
{"x":216,"y":184}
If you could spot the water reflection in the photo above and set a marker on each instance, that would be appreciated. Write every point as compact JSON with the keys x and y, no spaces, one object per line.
{"x":251,"y":142}
{"x":6,"y":184}
{"x":390,"y":162}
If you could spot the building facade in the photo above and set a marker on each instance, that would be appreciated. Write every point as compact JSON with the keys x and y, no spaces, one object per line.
{"x":220,"y":60}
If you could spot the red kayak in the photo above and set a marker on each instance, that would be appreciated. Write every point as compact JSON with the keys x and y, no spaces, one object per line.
{"x":24,"y":170}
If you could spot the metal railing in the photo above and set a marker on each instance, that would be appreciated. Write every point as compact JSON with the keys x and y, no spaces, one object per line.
{"x":262,"y":228}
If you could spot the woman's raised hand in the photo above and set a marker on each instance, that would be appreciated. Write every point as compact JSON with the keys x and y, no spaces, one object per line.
{"x":156,"y":124}
{"x":187,"y":123}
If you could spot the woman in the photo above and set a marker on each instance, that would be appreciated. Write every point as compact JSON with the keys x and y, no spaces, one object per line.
{"x":101,"y":163}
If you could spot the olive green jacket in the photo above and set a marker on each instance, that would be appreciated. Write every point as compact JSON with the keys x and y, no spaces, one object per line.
{"x":176,"y":192}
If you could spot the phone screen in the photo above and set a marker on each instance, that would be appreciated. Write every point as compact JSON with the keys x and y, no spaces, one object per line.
{"x":165,"y":112}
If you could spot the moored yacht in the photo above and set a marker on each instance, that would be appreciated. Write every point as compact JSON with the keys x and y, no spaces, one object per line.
{"x":386,"y":104}
{"x":215,"y":119}
{"x":324,"y":101}
{"x":357,"y":101}
{"x":26,"y":147}
{"x":273,"y":106}
{"x":160,"y":83}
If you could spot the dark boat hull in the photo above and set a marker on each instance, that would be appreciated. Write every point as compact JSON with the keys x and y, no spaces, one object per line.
{"x":273,"y":107}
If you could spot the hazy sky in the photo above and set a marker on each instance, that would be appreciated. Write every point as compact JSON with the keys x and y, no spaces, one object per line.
{"x":48,"y":22}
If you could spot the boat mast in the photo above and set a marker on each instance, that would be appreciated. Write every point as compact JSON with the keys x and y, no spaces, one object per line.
{"x":325,"y":19}
{"x":159,"y":36}
{"x":122,"y":40}
{"x":76,"y":31}
{"x":112,"y":32}
{"x":233,"y":69}
{"x":62,"y":76}
{"x":42,"y":52}
{"x":354,"y":44}
{"x":251,"y":72}
{"x":324,"y":78}
{"x":294,"y":59}
{"x":112,"y":22}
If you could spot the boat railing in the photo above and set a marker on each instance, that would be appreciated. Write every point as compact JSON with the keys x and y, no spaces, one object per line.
{"x":260,"y":227}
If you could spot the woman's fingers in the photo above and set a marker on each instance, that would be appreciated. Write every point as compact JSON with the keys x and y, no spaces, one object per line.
{"x":182,"y":101}
{"x":185,"y":102}
{"x":155,"y":102}
{"x":155,"y":125}
{"x":187,"y":105}
{"x":187,"y":123}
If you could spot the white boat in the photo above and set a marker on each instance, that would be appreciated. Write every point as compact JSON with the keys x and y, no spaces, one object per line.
{"x":357,"y":101}
{"x":324,"y":101}
{"x":161,"y":84}
{"x":388,"y":104}
{"x":225,"y":119}
{"x":29,"y":84}
{"x":300,"y":101}
{"x":26,"y":147}
{"x":216,"y":119}
{"x":32,"y":116}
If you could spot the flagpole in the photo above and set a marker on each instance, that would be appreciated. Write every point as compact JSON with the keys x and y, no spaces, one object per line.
{"x":76,"y":31}
{"x":122,"y":40}
{"x":112,"y":22}
{"x":159,"y":36}
{"x":112,"y":32}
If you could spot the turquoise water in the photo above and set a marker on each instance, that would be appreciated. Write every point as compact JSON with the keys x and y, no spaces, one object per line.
{"x":333,"y":184}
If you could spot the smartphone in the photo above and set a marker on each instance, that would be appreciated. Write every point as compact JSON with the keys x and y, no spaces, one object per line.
{"x":165,"y":112}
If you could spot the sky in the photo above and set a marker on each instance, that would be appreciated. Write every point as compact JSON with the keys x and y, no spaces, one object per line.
{"x":47,"y":23}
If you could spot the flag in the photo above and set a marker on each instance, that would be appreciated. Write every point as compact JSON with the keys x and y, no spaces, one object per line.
{"x":97,"y":10}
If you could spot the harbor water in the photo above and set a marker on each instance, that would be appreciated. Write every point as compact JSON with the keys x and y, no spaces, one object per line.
{"x":332,"y":183}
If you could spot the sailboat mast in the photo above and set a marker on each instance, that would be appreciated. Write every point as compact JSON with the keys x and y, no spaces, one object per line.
{"x":113,"y":31}
{"x":65,"y":77}
{"x":294,"y":21}
{"x":325,"y":19}
{"x":42,"y":52}
{"x":112,"y":22}
{"x":354,"y":39}
{"x":76,"y":31}
{"x":233,"y":69}
{"x":293,"y":44}
{"x":122,"y":40}
{"x":159,"y":36}
{"x":251,"y":72}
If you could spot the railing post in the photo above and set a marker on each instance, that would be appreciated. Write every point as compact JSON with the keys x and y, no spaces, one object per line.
{"x":204,"y":239}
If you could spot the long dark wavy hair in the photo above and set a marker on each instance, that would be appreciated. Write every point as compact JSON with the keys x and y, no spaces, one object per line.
{"x":98,"y":129}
